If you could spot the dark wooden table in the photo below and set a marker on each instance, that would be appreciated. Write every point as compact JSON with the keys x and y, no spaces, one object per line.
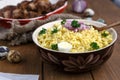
{"x":33,"y":65}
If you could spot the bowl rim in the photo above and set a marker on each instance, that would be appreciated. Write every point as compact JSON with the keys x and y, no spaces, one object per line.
{"x":48,"y":14}
{"x":84,"y":21}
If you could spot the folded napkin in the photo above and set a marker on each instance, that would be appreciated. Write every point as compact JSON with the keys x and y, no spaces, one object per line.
{"x":4,"y":78}
{"x":11,"y":76}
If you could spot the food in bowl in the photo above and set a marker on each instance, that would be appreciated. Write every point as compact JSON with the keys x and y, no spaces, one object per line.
{"x":29,"y":9}
{"x":73,"y":36}
{"x":76,"y":61}
{"x":6,"y":22}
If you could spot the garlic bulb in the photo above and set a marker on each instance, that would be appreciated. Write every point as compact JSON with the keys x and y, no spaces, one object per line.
{"x":79,"y":6}
{"x":89,"y":12}
{"x":14,"y":56}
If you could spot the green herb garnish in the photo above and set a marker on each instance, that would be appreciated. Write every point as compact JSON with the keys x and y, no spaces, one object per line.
{"x":55,"y":30}
{"x":43,"y":31}
{"x":63,"y":21}
{"x":104,"y":34}
{"x":75,"y":24}
{"x":94,"y":45}
{"x":54,"y":46}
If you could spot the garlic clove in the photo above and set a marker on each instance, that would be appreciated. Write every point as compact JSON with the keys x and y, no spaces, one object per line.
{"x":14,"y":56}
{"x":89,"y":12}
{"x":64,"y":46}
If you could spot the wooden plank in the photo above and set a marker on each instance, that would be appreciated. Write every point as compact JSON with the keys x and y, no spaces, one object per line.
{"x":52,"y":73}
{"x":108,"y":11}
{"x":31,"y":63}
{"x":111,"y":69}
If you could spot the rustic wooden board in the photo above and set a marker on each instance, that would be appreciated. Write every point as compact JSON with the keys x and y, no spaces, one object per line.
{"x":52,"y":73}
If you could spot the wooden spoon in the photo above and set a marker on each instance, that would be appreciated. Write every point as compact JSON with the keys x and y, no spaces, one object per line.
{"x":107,"y":27}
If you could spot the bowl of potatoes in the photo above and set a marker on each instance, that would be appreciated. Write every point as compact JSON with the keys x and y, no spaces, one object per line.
{"x":26,"y":10}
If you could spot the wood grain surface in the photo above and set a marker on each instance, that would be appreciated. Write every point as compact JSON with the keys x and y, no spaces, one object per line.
{"x":32,"y":63}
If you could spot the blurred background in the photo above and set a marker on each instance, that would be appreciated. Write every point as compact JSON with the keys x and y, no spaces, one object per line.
{"x":117,"y":2}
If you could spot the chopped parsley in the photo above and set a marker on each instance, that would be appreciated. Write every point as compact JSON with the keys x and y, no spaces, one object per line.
{"x":43,"y":31}
{"x":75,"y":24}
{"x":55,"y":30}
{"x":54,"y":46}
{"x":94,"y":45}
{"x":63,"y":21}
{"x":104,"y":34}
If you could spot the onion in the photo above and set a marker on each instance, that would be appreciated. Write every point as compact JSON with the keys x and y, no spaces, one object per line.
{"x":82,"y":26}
{"x":79,"y":6}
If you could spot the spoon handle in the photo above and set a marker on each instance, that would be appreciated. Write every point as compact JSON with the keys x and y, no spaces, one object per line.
{"x":113,"y":25}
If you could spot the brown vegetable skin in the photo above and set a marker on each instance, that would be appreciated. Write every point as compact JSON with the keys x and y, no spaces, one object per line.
{"x":25,"y":14}
{"x":32,"y":6}
{"x":44,"y":6}
{"x":23,"y":5}
{"x":32,"y":14}
{"x":18,"y":14}
{"x":6,"y":12}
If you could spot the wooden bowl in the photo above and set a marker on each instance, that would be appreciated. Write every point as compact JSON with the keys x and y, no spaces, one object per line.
{"x":76,"y":62}
{"x":6,"y":22}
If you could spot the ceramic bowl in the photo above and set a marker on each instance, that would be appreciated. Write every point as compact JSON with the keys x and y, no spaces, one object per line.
{"x":76,"y":62}
{"x":5,"y":22}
